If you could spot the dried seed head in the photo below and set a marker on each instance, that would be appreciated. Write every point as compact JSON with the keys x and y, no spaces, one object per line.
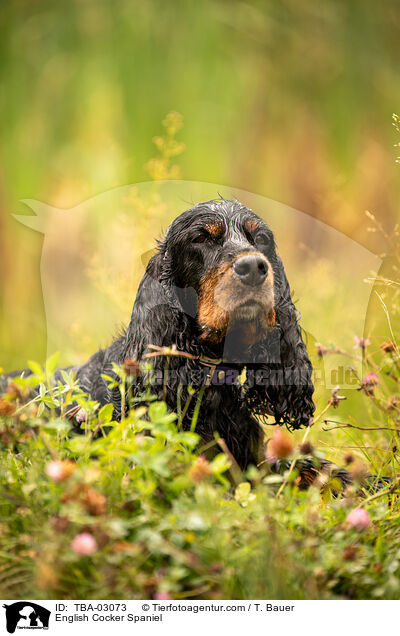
{"x":388,"y":347}
{"x":349,"y":553}
{"x":280,"y":445}
{"x":131,"y":367}
{"x":358,"y":471}
{"x":6,"y":408}
{"x":335,"y":399}
{"x":349,"y":458}
{"x":306,"y":448}
{"x":392,"y":403}
{"x":321,"y":350}
{"x":94,"y":502}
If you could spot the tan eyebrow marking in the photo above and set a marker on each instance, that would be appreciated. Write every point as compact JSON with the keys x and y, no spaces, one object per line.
{"x":215,"y":228}
{"x":251,"y":225}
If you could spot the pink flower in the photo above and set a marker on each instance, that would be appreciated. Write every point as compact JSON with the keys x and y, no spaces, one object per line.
{"x":361,"y":343}
{"x":81,"y":416}
{"x":54,"y":470}
{"x":358,"y":519}
{"x":59,"y":471}
{"x":372,"y":378}
{"x":162,"y":596}
{"x":84,"y":544}
{"x":369,"y":382}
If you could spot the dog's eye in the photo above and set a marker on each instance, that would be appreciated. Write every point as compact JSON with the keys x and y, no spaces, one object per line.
{"x":199,"y":238}
{"x":263,"y":239}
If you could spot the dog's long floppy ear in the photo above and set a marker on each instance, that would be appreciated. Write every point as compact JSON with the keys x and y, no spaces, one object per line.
{"x":157,"y":312}
{"x":279,"y":382}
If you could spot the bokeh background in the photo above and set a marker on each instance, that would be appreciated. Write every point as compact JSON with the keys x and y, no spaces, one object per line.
{"x":292,"y":101}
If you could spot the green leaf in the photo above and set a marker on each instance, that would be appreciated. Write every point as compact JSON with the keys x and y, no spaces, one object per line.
{"x":105,"y":414}
{"x":41,"y":409}
{"x":157,"y":410}
{"x":182,"y":482}
{"x":68,"y":377}
{"x":326,"y":495}
{"x":220,"y":464}
{"x":50,"y":402}
{"x":242,"y":490}
{"x":27,"y":489}
{"x":52,"y":363}
{"x":336,"y":484}
{"x":112,"y":382}
{"x":35,"y":367}
{"x":79,"y":444}
{"x":243,"y":493}
{"x":273,"y":479}
{"x":57,"y":425}
{"x":189,"y":439}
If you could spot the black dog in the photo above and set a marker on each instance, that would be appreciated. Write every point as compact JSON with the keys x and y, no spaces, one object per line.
{"x":215,"y":317}
{"x":216,"y":290}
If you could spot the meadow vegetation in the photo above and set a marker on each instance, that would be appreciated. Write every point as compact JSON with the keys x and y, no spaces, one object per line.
{"x":295,"y":105}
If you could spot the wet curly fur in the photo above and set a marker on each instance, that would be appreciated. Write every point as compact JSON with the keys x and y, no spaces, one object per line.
{"x":193,"y":296}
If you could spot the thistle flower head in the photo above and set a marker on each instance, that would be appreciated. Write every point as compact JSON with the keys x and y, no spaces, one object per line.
{"x":359,"y":519}
{"x":280,"y":445}
{"x":84,"y":544}
{"x":369,"y":383}
{"x":200,"y":470}
{"x":60,"y":470}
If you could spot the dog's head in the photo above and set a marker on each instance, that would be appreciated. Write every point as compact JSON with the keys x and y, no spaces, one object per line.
{"x":221,"y":256}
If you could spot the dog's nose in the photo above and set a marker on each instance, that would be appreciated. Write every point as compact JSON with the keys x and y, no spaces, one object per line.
{"x":251,"y":269}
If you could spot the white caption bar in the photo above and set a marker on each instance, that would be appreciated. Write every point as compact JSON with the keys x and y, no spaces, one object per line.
{"x":193,"y":617}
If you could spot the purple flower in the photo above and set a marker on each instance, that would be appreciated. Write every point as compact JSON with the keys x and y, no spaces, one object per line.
{"x":361,"y":343}
{"x":369,"y":383}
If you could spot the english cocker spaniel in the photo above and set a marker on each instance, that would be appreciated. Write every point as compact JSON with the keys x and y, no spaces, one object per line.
{"x":214,"y":315}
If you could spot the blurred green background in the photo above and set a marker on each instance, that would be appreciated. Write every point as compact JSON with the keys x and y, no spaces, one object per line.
{"x":290,"y":100}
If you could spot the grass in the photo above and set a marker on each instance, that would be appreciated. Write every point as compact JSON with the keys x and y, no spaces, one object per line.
{"x":137,"y":512}
{"x":131,"y":509}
